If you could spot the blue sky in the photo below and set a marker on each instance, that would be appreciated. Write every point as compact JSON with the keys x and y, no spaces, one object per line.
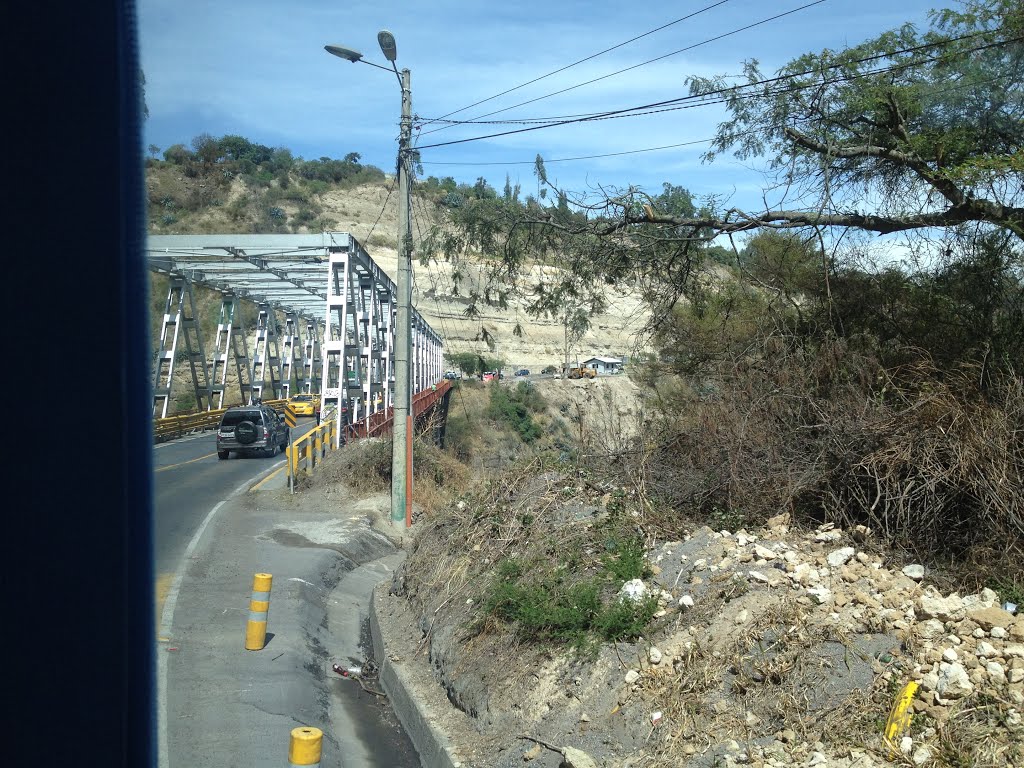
{"x":258,"y":69}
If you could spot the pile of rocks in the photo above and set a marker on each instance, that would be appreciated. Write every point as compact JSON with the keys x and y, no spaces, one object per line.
{"x":894,"y":625}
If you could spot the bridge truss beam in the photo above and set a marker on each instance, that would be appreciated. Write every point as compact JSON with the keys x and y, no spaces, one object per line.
{"x":327,"y":282}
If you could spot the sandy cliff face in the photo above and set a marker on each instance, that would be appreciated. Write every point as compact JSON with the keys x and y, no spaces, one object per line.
{"x":371,"y":216}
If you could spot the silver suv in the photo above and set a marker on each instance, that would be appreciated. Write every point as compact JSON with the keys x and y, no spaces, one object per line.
{"x":251,"y":429}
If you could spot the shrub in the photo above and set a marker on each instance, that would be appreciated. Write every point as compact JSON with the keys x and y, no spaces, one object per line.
{"x":515,"y":407}
{"x":550,"y":609}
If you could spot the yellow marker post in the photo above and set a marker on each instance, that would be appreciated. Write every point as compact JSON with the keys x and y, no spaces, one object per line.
{"x":304,"y":748}
{"x":899,"y":717}
{"x":259,"y":606}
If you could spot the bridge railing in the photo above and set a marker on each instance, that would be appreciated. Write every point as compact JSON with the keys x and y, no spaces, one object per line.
{"x":173,"y":427}
{"x":304,"y":454}
{"x":379,"y":424}
{"x":374,"y":425}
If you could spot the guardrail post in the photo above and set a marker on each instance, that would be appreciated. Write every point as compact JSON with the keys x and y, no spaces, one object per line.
{"x":259,"y":607}
{"x":304,"y":747}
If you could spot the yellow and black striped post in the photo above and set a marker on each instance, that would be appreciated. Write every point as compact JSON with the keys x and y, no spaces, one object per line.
{"x":304,"y":748}
{"x":259,"y":606}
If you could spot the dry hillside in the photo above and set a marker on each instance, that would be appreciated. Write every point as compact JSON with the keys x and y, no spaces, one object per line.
{"x":370,"y":214}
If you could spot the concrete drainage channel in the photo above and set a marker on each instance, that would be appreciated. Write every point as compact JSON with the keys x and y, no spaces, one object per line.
{"x":409,"y":692}
{"x":335,"y":616}
{"x":371,"y":677}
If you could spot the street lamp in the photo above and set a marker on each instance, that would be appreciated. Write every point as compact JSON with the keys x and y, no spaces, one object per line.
{"x":402,"y":429}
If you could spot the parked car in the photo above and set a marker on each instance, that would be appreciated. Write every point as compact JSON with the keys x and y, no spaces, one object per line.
{"x":488,"y":375}
{"x":303,"y":404}
{"x":251,"y":429}
{"x":522,"y":372}
{"x":452,"y":375}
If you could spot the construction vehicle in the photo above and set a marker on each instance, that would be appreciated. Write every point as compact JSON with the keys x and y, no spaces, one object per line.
{"x":583,"y":372}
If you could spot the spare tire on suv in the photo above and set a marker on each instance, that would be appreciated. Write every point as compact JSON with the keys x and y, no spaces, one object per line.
{"x":246,"y":432}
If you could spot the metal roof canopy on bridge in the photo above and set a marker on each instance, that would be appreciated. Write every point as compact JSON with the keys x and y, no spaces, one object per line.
{"x":289,"y":272}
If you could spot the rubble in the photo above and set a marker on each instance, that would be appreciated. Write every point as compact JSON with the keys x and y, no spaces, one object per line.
{"x":778,"y":647}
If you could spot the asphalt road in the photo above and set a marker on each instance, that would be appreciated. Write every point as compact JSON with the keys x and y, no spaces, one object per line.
{"x":216,"y":524}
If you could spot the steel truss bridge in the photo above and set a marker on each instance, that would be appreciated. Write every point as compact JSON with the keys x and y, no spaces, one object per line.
{"x":337,"y":338}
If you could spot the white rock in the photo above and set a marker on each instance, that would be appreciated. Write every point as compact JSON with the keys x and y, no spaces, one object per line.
{"x":933,"y":605}
{"x":1013,"y":717}
{"x":995,"y":671}
{"x":826,"y":536}
{"x":929,"y":681}
{"x":998,"y":633}
{"x":654,"y":655}
{"x":953,"y":682}
{"x":978,"y":633}
{"x":821,"y":594}
{"x":577,"y":758}
{"x":906,"y":744}
{"x":686,"y":601}
{"x":634,"y":590}
{"x":764,"y":553}
{"x":757,"y":576}
{"x":985,"y":599}
{"x":949,"y":655}
{"x":742,"y":617}
{"x":1014,"y":651}
{"x":840,"y":556}
{"x":804,"y":574}
{"x":922,"y":756}
{"x":985,"y":650}
{"x":914,"y":571}
{"x":1016,"y":676}
{"x":632,"y":676}
{"x":700,"y":565}
{"x":931,"y":629}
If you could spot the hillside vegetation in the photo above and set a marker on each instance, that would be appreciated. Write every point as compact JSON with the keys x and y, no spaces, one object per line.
{"x":817,"y":492}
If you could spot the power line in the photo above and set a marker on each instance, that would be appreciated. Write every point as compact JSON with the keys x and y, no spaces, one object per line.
{"x":581,"y":61}
{"x":838,"y":64}
{"x":702,"y":99}
{"x":382,"y":208}
{"x":959,"y":87}
{"x":581,"y":157}
{"x":645,"y":63}
{"x":437,"y":303}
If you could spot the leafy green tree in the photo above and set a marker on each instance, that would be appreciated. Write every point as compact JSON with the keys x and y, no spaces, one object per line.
{"x":929,"y":124}
{"x":178,"y":154}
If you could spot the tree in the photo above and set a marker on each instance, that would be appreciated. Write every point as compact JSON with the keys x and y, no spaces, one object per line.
{"x":929,"y":124}
{"x":909,"y":132}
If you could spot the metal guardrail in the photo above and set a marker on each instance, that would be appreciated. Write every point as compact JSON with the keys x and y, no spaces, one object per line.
{"x":174,"y":427}
{"x":380,"y":424}
{"x":304,"y":453}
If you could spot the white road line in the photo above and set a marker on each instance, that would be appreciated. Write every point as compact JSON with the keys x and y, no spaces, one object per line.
{"x":167,"y":620}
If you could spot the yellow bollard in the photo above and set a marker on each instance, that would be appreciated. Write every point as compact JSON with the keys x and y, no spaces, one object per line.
{"x":259,"y":606}
{"x":304,"y":748}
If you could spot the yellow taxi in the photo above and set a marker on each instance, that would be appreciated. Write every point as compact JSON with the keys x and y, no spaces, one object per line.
{"x":303,"y":404}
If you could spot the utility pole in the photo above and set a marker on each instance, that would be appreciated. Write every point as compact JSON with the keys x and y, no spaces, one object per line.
{"x":565,"y":368}
{"x":402,"y":428}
